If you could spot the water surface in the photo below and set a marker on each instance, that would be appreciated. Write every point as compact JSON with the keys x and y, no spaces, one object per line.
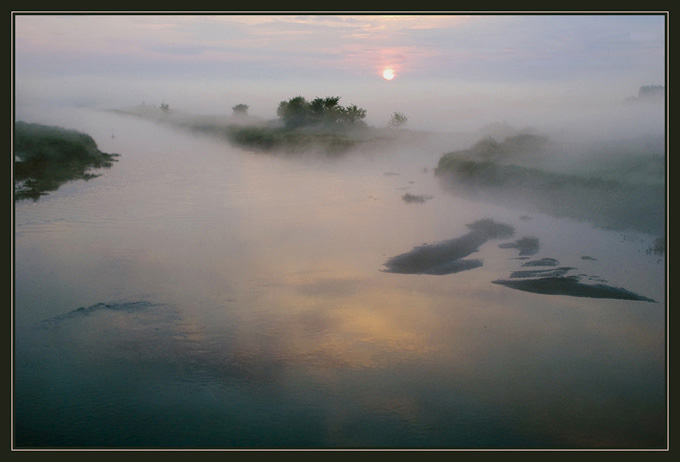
{"x":200,"y":296}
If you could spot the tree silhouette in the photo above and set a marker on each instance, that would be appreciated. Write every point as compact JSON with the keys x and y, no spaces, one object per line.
{"x":398,"y":120}
{"x":240,"y":109}
{"x":293,"y":112}
{"x":298,"y":112}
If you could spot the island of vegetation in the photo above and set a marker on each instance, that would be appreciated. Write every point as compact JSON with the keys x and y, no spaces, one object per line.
{"x":45,"y":157}
{"x":317,"y":125}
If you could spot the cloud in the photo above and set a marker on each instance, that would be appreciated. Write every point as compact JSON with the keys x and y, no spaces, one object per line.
{"x":453,"y":68}
{"x":480,"y":47}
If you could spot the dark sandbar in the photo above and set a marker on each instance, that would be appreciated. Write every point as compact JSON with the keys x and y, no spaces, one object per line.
{"x":570,"y":285}
{"x":525,"y":245}
{"x":446,"y":257}
{"x":413,"y":198}
{"x":541,"y":273}
{"x":89,"y":310}
{"x":542,"y":262}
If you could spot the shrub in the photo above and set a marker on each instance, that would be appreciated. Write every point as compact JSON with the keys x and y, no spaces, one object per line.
{"x":45,"y":157}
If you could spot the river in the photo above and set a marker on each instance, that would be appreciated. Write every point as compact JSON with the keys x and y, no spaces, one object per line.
{"x":196,"y":295}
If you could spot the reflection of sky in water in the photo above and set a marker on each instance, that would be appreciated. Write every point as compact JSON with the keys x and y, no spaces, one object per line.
{"x":273,"y":323}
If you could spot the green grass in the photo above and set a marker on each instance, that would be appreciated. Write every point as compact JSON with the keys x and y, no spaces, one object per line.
{"x":45,"y":157}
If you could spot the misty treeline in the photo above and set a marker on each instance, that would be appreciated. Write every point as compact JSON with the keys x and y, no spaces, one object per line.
{"x":298,"y":112}
{"x":319,"y":125}
{"x":622,"y":190}
{"x":650,"y":93}
{"x":45,"y":157}
{"x":240,"y":109}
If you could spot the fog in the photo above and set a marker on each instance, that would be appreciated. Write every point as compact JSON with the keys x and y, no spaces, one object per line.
{"x":430,"y":106}
{"x":453,"y":72}
{"x":590,"y":134}
{"x":253,"y":251}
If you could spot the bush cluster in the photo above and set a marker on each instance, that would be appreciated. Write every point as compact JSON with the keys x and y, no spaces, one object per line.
{"x":298,"y":112}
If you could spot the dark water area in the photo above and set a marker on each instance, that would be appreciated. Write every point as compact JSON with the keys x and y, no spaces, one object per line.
{"x":199,"y":295}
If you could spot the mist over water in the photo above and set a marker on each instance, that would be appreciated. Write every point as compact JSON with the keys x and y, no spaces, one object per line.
{"x":251,"y":305}
{"x":563,"y":111}
{"x":491,"y":274}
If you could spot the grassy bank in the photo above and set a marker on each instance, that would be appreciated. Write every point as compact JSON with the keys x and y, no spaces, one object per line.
{"x":45,"y":157}
{"x":609,"y":201}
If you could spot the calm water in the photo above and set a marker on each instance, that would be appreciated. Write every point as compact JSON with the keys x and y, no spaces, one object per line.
{"x":200,"y":296}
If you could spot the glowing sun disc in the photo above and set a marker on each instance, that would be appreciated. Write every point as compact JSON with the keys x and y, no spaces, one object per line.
{"x":388,"y":74}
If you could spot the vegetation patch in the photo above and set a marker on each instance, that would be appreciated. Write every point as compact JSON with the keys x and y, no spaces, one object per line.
{"x":45,"y":157}
{"x":320,"y":125}
{"x":486,"y":172}
{"x":522,"y":145}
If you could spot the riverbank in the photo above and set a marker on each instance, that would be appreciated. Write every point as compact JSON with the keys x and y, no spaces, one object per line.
{"x":45,"y":157}
{"x":519,"y":171}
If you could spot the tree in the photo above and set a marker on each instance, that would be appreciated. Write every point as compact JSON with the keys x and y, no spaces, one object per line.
{"x":240,"y":109}
{"x":165,"y":107}
{"x":325,"y":110}
{"x":354,"y":114}
{"x":398,"y":120}
{"x":651,"y":91}
{"x":297,"y":112}
{"x":293,"y":112}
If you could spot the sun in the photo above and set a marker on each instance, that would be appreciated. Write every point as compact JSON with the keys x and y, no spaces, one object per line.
{"x":388,"y":74}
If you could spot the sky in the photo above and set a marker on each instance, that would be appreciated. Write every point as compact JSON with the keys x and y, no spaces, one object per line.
{"x":451,"y":71}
